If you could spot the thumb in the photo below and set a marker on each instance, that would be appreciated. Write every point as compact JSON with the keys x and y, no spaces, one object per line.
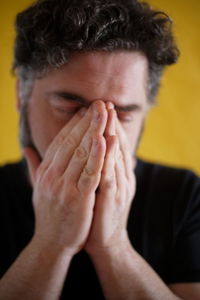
{"x":33,"y":161}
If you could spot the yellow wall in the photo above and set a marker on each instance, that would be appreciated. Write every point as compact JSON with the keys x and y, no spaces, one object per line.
{"x":172,"y":132}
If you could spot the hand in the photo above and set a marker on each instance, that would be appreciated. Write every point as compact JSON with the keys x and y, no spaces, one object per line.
{"x":115,"y":193}
{"x":66,"y":180}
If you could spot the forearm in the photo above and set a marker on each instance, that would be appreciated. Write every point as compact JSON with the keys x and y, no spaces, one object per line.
{"x":38,"y":273}
{"x":125,"y":275}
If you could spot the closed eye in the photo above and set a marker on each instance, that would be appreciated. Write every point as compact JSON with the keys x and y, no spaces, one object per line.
{"x":126,"y":116}
{"x":64,"y":106}
{"x":67,"y":108}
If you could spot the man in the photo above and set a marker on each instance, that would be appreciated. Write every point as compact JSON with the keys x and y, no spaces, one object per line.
{"x":81,"y":215}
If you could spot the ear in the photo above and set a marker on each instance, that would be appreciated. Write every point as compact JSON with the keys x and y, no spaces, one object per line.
{"x":18,"y":95}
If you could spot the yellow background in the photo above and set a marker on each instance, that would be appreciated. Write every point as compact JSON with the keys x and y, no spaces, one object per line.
{"x":172,"y":131}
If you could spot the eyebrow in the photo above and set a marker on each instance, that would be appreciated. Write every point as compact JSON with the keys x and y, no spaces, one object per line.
{"x":85,"y":102}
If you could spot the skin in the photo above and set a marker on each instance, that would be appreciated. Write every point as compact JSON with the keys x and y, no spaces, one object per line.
{"x":111,"y":77}
{"x":83,"y":179}
{"x":59,"y":111}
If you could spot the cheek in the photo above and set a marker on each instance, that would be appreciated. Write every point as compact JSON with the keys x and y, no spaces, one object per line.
{"x":44,"y":126}
{"x":133,"y":132}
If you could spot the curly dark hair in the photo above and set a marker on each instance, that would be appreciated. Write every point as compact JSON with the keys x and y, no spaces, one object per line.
{"x":50,"y":30}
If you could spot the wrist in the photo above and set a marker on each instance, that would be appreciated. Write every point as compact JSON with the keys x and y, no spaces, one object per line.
{"x":48,"y":252}
{"x":114,"y":251}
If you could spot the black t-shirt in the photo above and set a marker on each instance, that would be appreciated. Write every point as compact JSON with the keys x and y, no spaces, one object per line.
{"x":163,"y":226}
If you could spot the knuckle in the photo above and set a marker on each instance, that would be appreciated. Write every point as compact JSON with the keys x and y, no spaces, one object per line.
{"x":48,"y":179}
{"x":71,"y":140}
{"x":81,"y":153}
{"x":109,"y":183}
{"x":85,"y":181}
{"x":54,"y":172}
{"x":60,"y":139}
{"x":89,"y":172}
{"x":88,"y":183}
{"x":41,"y":170}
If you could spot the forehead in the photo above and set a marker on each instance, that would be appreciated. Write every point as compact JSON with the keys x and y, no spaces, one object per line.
{"x":101,"y":75}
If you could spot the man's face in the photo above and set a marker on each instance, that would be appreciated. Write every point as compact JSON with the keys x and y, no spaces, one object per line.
{"x":119,"y":77}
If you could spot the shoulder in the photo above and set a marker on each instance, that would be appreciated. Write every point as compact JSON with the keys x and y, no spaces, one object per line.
{"x":156,"y":170}
{"x":13,"y":180}
{"x":167,"y":194}
{"x":166,"y":214}
{"x":11,"y":170}
{"x":166,"y":179}
{"x":16,"y":212}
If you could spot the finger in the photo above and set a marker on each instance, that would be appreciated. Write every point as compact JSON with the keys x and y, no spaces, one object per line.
{"x":124,"y":146}
{"x":81,"y":153}
{"x":83,"y":115}
{"x":91,"y":173}
{"x":120,"y":172}
{"x":105,"y":201}
{"x":110,"y":128}
{"x":33,"y":161}
{"x":108,"y":181}
{"x":123,"y":198}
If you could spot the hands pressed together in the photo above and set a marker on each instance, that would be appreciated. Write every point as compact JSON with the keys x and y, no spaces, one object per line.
{"x":85,"y":184}
{"x":82,"y":192}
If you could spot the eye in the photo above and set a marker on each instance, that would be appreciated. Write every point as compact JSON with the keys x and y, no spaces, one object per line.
{"x":67,"y":110}
{"x":126,"y":116}
{"x":65,"y":107}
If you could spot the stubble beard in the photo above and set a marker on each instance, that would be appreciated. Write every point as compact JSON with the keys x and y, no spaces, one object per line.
{"x":25,"y":135}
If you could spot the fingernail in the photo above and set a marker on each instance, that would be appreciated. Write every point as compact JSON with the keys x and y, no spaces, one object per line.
{"x":110,"y":105}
